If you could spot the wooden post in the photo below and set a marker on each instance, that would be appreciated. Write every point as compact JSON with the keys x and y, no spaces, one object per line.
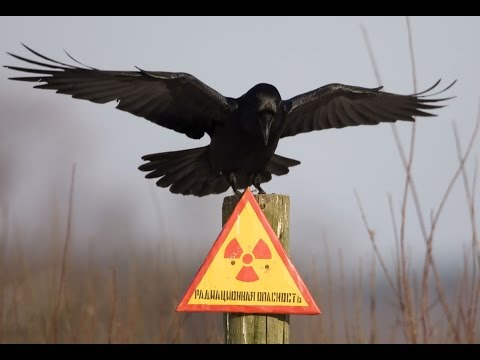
{"x":252,"y":328}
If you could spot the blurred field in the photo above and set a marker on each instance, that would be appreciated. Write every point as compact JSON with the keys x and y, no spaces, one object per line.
{"x":66,"y":289}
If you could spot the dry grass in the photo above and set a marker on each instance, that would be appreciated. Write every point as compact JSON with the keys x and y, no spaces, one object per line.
{"x":54,"y":296}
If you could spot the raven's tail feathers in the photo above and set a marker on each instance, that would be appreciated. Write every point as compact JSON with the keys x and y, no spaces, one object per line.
{"x":186,"y":172}
{"x":279,"y":165}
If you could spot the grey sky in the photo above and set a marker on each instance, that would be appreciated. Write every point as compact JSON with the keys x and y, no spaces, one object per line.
{"x":42,"y":133}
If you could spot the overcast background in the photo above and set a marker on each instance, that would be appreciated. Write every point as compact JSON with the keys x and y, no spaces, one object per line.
{"x":42,"y":133}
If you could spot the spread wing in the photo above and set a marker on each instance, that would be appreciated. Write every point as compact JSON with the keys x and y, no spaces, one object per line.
{"x":337,"y":106}
{"x":177,"y":101}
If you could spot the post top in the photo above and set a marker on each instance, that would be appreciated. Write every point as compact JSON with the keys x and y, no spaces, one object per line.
{"x":259,"y":197}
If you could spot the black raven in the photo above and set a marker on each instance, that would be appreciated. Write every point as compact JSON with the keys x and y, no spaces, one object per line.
{"x":244,"y":132}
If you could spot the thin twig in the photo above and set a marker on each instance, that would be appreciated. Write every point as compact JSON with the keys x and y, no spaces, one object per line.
{"x":476,"y":251}
{"x":3,"y":267}
{"x":328,"y":269}
{"x":476,"y":239}
{"x":373,"y":303}
{"x":398,"y":263}
{"x":396,"y":136}
{"x":438,"y":286}
{"x":458,"y":171}
{"x":113,"y":306}
{"x":471,"y":207}
{"x":408,"y":177}
{"x":357,"y":296}
{"x":344,"y":296}
{"x":371,"y":236}
{"x":64,"y":258}
{"x":412,"y":56}
{"x":371,"y":55}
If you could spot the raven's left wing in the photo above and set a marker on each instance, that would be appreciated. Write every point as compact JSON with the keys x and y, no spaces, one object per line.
{"x":178,"y":101}
{"x":337,"y":106}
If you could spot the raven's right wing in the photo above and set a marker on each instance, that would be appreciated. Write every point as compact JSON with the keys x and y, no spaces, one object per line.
{"x":177,"y":101}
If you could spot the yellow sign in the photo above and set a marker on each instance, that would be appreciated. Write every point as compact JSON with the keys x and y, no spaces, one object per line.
{"x":247,"y":270}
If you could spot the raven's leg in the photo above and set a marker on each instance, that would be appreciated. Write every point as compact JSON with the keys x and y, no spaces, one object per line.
{"x":232,"y":180}
{"x":256,"y":182}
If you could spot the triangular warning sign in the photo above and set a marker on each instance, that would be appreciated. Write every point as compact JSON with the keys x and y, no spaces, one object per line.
{"x":247,"y":270}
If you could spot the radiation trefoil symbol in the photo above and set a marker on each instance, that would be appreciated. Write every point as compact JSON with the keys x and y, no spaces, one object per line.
{"x":247,"y":272}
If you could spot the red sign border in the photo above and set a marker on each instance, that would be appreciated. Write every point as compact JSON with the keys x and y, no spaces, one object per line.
{"x":311,"y":309}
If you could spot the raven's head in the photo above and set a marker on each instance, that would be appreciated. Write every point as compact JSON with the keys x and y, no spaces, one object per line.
{"x":264,"y":100}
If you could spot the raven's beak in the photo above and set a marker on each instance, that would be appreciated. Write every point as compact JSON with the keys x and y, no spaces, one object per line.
{"x":266,"y":120}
